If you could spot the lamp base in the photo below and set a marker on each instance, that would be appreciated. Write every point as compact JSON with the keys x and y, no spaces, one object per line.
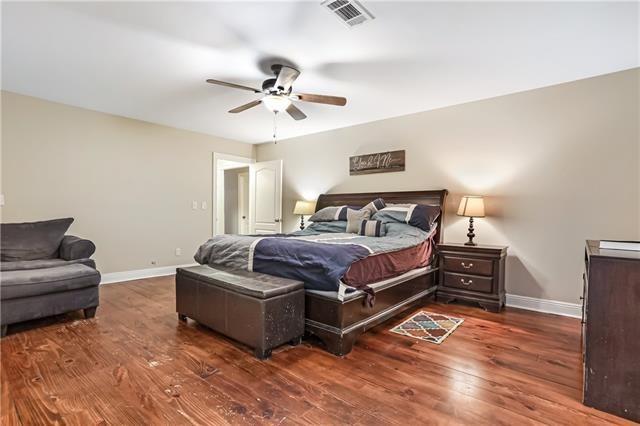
{"x":301,"y":222}
{"x":470,"y":234}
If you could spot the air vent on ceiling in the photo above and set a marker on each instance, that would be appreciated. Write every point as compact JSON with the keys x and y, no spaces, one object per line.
{"x":351,"y":12}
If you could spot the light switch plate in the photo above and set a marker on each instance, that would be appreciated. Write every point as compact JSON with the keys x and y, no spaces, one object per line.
{"x":194,"y":205}
{"x":204,"y":205}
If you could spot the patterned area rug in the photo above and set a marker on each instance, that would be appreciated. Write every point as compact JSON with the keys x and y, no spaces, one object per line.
{"x":428,"y":326}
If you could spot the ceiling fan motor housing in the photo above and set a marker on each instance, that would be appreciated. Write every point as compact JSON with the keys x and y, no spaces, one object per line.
{"x":269,"y":85}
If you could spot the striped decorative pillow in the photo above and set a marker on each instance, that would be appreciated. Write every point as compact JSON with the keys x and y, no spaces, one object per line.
{"x":372,"y":228}
{"x":375,"y":205}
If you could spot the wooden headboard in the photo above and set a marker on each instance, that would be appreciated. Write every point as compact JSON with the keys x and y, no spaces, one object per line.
{"x":436,"y":198}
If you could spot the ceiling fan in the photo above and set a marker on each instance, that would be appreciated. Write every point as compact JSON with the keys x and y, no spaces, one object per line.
{"x":278,"y":94}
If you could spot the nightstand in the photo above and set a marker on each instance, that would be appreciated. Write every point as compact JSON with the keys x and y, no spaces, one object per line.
{"x":473,"y":274}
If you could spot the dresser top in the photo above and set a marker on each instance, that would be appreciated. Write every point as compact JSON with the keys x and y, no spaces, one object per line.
{"x":594,"y":250}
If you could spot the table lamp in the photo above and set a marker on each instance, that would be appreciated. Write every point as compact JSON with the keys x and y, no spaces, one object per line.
{"x":304,"y":208}
{"x":471,"y":206}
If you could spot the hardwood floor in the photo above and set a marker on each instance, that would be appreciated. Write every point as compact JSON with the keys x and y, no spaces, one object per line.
{"x":135,"y":363}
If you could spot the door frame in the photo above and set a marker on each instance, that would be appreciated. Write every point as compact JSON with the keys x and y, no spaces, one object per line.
{"x":243,"y":178}
{"x":214,"y":181}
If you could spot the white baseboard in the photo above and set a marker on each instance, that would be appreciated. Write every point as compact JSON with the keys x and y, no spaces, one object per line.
{"x":566,"y":309}
{"x":523,"y":302}
{"x":116,"y":277}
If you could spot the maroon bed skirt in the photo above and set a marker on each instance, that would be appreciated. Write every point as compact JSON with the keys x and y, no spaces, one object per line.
{"x":388,"y":265}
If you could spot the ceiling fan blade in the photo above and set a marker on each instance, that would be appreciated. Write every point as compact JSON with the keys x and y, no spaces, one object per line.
{"x":286,"y":77}
{"x":321,"y":99}
{"x":295,"y":112}
{"x":233,"y":85}
{"x":245,"y":106}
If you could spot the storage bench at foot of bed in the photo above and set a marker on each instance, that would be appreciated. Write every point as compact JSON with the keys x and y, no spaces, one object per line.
{"x":262,"y":311}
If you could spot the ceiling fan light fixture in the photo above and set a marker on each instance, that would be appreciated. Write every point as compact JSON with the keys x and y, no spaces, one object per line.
{"x":276,"y":103}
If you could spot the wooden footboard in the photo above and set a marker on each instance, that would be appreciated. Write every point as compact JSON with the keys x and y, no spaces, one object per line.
{"x":338,"y":324}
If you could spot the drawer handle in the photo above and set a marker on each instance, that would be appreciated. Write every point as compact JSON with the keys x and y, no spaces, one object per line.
{"x":465,"y":266}
{"x":466,"y":282}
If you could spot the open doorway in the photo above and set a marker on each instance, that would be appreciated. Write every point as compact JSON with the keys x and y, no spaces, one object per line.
{"x":236,"y":200}
{"x":230,"y":194}
{"x":247,"y":196}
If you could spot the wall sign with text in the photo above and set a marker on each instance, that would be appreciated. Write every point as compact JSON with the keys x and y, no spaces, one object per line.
{"x":380,"y":162}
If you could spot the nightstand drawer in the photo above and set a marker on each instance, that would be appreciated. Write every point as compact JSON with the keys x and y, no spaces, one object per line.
{"x":468,"y":265}
{"x":468,"y":282}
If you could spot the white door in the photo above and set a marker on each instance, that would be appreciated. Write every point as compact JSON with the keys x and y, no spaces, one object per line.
{"x":243,"y":203}
{"x":265,"y":197}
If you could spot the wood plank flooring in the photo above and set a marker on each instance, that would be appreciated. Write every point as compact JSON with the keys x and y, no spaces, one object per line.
{"x":135,"y":363}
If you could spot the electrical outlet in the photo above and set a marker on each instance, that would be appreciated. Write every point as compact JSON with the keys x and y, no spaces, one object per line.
{"x":194,"y":205}
{"x":204,"y":205}
{"x":178,"y":251}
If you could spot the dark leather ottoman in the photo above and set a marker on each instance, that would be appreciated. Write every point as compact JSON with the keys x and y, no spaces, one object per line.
{"x":259,"y":310}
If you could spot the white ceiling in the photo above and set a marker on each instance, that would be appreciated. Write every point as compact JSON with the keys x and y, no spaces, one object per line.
{"x":150,"y":60}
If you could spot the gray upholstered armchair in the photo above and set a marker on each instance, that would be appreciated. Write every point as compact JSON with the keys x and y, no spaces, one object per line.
{"x":44,"y":272}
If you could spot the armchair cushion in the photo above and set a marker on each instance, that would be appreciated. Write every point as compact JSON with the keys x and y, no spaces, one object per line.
{"x":73,"y":248}
{"x":32,"y":241}
{"x":21,"y":265}
{"x":35,"y":282}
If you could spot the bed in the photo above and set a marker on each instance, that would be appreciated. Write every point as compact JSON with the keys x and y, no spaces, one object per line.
{"x":352,"y":282}
{"x":338,"y":322}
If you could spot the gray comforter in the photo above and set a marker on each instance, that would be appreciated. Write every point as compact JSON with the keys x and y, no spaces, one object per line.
{"x":315,"y":256}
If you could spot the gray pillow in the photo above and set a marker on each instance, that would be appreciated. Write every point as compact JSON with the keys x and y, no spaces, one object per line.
{"x":32,"y":240}
{"x":331,"y":213}
{"x":355,"y":218}
{"x":326,"y":214}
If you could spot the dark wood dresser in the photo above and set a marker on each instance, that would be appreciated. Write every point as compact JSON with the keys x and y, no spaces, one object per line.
{"x":611,"y":331}
{"x":473,"y":274}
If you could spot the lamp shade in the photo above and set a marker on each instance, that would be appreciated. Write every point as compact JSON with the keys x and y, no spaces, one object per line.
{"x":304,"y":207}
{"x":471,"y":206}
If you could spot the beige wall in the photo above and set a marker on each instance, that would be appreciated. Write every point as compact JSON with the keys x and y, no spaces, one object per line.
{"x":129,"y":184}
{"x":558,"y":165}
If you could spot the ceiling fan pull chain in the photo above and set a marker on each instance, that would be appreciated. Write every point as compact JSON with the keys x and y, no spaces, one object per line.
{"x":275,"y":128}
